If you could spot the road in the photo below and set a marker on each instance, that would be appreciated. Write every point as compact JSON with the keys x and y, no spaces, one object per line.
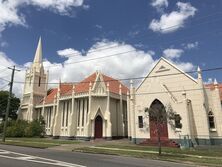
{"x":31,"y":157}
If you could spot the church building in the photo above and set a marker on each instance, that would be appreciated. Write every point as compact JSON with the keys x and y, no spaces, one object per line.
{"x":102,"y":107}
{"x":198,"y":107}
{"x":93,"y":108}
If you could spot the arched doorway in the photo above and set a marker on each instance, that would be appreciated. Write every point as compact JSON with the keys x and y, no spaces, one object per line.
{"x":98,"y":127}
{"x":158,"y":119}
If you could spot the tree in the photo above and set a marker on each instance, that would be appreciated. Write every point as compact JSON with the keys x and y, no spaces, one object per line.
{"x":160,"y":115}
{"x":15,"y":103}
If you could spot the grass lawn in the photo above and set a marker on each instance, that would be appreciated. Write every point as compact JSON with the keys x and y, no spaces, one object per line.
{"x":37,"y":142}
{"x":213,"y":152}
{"x":206,"y":157}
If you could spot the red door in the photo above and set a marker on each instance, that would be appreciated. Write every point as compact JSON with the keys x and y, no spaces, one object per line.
{"x":158,"y":112}
{"x":154,"y":133}
{"x":98,"y":127}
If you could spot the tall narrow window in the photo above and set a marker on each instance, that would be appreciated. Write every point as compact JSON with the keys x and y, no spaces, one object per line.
{"x":39,"y":81}
{"x":78,"y":112}
{"x":87,"y":109}
{"x":140,"y":120}
{"x":63,"y":114}
{"x":83,"y":112}
{"x":87,"y":105}
{"x":47,"y":118}
{"x":67,"y":113}
{"x":211,"y":120}
{"x":50,"y":114}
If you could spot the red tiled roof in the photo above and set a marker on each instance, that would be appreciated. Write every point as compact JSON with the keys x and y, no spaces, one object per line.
{"x":212,"y":87}
{"x":64,"y":88}
{"x":114,"y":85}
{"x":50,"y":97}
{"x":83,"y":86}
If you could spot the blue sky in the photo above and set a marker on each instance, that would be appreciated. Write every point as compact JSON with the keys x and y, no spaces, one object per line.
{"x":186,"y":32}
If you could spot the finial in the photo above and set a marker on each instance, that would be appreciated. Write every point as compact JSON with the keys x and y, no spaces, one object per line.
{"x":107,"y":85}
{"x":73,"y":87}
{"x":59,"y":85}
{"x":131,"y":83}
{"x":90,"y":85}
{"x":120,"y":88}
{"x":198,"y":69}
{"x":199,"y":73}
{"x":215,"y":81}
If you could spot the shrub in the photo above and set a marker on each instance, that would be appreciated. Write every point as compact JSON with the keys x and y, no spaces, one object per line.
{"x":21,"y":128}
{"x":34,"y":129}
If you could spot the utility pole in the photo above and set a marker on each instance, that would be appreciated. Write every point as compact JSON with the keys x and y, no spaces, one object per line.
{"x":9,"y":101}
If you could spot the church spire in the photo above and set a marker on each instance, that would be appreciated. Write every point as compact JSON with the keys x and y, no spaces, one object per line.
{"x":38,"y":55}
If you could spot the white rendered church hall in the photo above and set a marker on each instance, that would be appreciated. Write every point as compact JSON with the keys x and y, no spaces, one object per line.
{"x":101,"y":107}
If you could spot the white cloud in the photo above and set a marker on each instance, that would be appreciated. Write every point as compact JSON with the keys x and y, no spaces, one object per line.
{"x":98,"y":26}
{"x":11,"y":15}
{"x":59,"y":6}
{"x":172,"y":53}
{"x":69,"y":52}
{"x":6,"y":74}
{"x":3,"y":44}
{"x":174,"y":20}
{"x":159,"y":4}
{"x":191,"y":45}
{"x":209,"y":81}
{"x":185,"y":66}
{"x":136,"y":63}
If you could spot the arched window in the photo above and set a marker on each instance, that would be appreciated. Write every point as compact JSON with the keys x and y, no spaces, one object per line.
{"x":211,"y":120}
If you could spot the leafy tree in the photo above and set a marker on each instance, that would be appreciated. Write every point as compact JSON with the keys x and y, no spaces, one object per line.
{"x":15,"y":103}
{"x":160,"y":115}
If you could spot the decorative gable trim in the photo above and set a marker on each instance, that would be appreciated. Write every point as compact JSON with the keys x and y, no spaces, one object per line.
{"x":171,"y":64}
{"x":99,"y":81}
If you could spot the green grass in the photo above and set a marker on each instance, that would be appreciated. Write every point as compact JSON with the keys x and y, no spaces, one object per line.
{"x":38,"y":142}
{"x":29,"y":144}
{"x":197,"y":151}
{"x":169,"y":154}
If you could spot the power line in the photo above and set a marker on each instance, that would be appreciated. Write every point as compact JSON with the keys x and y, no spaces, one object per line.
{"x":121,"y":53}
{"x":167,"y":28}
{"x":3,"y":87}
{"x":4,"y":69}
{"x":4,"y":79}
{"x":98,"y":49}
{"x":219,"y":85}
{"x":132,"y":50}
{"x":127,"y":79}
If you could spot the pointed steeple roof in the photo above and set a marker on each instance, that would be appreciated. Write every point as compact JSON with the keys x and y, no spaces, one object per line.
{"x":38,"y":55}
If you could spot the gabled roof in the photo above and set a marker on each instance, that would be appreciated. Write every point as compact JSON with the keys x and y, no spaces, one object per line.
{"x":83,"y":86}
{"x":171,"y":64}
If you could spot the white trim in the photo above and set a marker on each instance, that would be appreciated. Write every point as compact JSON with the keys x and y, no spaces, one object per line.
{"x":170,"y":63}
